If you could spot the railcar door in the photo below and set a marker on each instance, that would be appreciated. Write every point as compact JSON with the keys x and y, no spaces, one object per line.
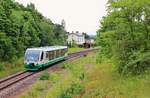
{"x":42,"y":57}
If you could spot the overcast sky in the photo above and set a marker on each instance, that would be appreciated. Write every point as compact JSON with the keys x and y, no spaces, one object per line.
{"x":79,"y":15}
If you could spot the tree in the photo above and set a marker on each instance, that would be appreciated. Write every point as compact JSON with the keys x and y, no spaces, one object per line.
{"x":31,"y":7}
{"x":6,"y":49}
{"x":124,"y":35}
{"x":22,"y":27}
{"x":63,"y":23}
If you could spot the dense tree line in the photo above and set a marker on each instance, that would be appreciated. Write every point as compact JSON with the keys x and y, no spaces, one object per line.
{"x":22,"y":27}
{"x":124,"y":35}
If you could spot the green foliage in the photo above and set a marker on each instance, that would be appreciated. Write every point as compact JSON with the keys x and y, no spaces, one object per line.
{"x":45,"y":76}
{"x":72,"y":50}
{"x":64,"y":65}
{"x":8,"y":68}
{"x":22,"y":27}
{"x":50,"y":76}
{"x":1,"y":67}
{"x":54,"y":77}
{"x":77,"y":71}
{"x":74,"y":89}
{"x":125,"y":35}
{"x":65,"y":83}
{"x":139,"y":63}
{"x":37,"y":90}
{"x":72,"y":44}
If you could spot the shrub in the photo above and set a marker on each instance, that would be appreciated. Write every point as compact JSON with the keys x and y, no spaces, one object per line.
{"x":74,"y":89}
{"x":121,"y":36}
{"x":54,"y":77}
{"x":1,"y":67}
{"x":45,"y":76}
{"x":139,"y":63}
{"x":64,"y":65}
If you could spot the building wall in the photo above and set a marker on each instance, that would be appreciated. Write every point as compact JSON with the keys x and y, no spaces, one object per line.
{"x":79,"y":39}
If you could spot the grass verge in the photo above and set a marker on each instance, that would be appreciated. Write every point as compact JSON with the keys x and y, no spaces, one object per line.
{"x":84,"y":78}
{"x":7,"y":68}
{"x":72,"y":50}
{"x":103,"y":82}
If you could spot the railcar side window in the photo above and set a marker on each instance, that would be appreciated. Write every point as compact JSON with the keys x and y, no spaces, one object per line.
{"x":51,"y":55}
{"x":57,"y":53}
{"x":62,"y":52}
{"x":47,"y":55}
{"x":66,"y":50}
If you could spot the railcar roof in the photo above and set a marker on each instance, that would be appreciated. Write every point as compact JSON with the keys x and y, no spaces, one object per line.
{"x":48,"y":48}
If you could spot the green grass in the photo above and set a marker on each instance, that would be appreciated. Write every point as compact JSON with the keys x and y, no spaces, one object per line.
{"x":7,"y":68}
{"x":103,"y":82}
{"x":63,"y":84}
{"x":38,"y":89}
{"x":84,"y":78}
{"x":72,"y":50}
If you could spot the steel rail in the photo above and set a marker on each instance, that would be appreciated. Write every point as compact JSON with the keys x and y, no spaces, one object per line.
{"x":10,"y":80}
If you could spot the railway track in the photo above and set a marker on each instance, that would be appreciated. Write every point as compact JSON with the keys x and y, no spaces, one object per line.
{"x":13,"y":79}
{"x":83,"y":52}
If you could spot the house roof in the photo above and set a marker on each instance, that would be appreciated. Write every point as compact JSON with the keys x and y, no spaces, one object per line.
{"x":77,"y":34}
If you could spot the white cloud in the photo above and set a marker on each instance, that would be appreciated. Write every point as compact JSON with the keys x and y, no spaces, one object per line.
{"x":80,"y":15}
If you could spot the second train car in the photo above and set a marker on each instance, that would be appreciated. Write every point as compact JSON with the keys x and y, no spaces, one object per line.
{"x":38,"y":58}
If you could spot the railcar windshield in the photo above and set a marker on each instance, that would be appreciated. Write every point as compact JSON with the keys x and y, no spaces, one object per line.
{"x":32,"y":55}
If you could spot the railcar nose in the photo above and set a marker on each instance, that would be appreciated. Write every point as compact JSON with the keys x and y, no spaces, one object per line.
{"x":32,"y":64}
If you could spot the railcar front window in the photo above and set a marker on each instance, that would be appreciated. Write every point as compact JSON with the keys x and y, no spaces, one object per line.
{"x":32,"y":55}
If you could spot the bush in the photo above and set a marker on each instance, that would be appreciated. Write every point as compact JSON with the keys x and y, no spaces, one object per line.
{"x":122,"y":36}
{"x":1,"y":67}
{"x":74,"y":89}
{"x":54,"y":77}
{"x":139,"y":63}
{"x":45,"y":76}
{"x":64,"y":65}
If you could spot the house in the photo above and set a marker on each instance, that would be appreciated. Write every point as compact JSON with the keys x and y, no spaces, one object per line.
{"x":76,"y":38}
{"x":88,"y":43}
